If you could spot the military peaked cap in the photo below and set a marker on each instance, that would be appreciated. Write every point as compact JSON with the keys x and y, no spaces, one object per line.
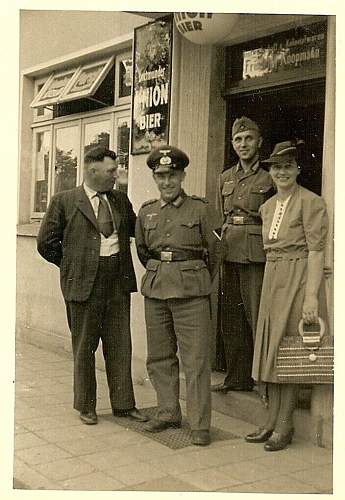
{"x":166,"y":158}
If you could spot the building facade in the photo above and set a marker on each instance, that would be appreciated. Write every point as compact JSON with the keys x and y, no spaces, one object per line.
{"x":76,"y":91}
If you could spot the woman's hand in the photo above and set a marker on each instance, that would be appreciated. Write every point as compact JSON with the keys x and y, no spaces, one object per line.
{"x":310,"y":311}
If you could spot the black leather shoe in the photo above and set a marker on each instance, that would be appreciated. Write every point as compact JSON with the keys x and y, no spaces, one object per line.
{"x":278,"y":441}
{"x":245,"y":387}
{"x":89,"y":417}
{"x":156,"y":425}
{"x":201,"y":438}
{"x":133,"y":413}
{"x":232,"y":387}
{"x":220,"y":388}
{"x":259,"y":436}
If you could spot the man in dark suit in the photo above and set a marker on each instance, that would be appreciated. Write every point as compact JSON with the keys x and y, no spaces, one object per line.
{"x":86,"y":233}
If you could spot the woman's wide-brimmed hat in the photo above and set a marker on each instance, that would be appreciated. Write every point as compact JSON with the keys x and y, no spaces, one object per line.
{"x":284,"y":151}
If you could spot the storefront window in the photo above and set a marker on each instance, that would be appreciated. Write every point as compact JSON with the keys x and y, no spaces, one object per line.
{"x":96,"y":134}
{"x":122,"y":149}
{"x":42,"y":155}
{"x":125,"y":77}
{"x":66,"y":158}
{"x":103,"y":89}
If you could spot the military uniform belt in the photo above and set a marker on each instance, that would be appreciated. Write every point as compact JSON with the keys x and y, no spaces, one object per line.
{"x":243,"y":219}
{"x":173,"y":255}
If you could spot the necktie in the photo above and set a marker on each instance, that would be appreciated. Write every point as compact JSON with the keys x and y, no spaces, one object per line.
{"x":105,"y":222}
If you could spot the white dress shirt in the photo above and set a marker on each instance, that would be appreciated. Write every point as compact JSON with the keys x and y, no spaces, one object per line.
{"x":109,"y":246}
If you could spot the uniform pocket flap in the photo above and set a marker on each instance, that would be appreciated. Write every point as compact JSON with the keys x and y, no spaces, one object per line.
{"x":228,"y":188}
{"x":152,"y":265}
{"x":192,"y":266}
{"x":255,"y":230}
{"x":264,"y":188}
{"x":150,"y":224}
{"x":190,"y":223}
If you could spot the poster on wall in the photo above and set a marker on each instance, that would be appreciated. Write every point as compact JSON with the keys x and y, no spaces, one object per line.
{"x":151,"y":85}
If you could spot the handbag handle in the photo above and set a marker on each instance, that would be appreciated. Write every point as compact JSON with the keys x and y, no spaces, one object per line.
{"x":311,"y":337}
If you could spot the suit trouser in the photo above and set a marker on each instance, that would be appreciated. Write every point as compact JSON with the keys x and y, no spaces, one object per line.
{"x":242,"y":285}
{"x":106,"y":316}
{"x":182,"y":324}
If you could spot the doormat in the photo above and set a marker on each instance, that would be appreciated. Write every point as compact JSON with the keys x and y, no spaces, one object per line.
{"x":174,"y":438}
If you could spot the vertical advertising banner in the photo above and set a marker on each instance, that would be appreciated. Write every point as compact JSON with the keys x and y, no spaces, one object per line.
{"x":151,"y":85}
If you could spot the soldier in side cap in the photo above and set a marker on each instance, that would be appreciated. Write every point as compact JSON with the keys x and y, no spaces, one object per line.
{"x":242,"y":189}
{"x":177,"y":243}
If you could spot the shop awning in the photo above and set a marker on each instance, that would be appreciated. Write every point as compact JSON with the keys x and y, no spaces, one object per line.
{"x":76,"y":83}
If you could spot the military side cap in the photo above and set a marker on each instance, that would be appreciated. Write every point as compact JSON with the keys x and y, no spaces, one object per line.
{"x":284,"y":151}
{"x":166,"y":158}
{"x":243,"y":124}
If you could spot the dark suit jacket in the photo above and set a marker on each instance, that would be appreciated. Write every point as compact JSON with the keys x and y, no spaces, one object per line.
{"x":69,"y":238}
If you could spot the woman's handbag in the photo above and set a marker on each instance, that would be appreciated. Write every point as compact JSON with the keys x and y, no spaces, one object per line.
{"x":307,"y":358}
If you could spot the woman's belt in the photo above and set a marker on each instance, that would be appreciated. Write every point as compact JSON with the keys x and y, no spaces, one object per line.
{"x":274,"y":256}
{"x":172,"y":255}
{"x":243,"y":220}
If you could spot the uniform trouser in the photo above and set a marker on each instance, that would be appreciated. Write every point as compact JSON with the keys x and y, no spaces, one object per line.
{"x":105,"y":315}
{"x":240,"y":307}
{"x":182,"y":324}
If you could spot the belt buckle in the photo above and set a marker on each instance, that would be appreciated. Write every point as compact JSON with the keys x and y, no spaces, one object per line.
{"x":238,"y":219}
{"x":166,"y":256}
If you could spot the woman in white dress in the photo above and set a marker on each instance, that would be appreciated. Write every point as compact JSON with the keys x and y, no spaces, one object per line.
{"x":294,"y":234}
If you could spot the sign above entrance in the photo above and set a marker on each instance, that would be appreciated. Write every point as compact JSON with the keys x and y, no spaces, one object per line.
{"x":297,"y":54}
{"x":151,"y":85}
{"x":205,"y":28}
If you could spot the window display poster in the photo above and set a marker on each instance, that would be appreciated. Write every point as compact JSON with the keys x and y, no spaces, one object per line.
{"x":151,"y":85}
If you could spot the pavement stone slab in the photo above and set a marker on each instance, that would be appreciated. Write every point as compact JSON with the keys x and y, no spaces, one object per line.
{"x":281,"y":461}
{"x":42,"y":454}
{"x":125,"y":438}
{"x":79,"y":447}
{"x":27,"y":440}
{"x":104,"y":460}
{"x":180,"y":463}
{"x":141,"y":473}
{"x":29,"y":478}
{"x":20,"y":429}
{"x":25,"y":413}
{"x":61,"y":434}
{"x":247,"y":472}
{"x":283,"y":484}
{"x":66,"y":468}
{"x":320,"y":477}
{"x":43,"y":423}
{"x":96,"y":481}
{"x":211,"y":480}
{"x":166,"y":483}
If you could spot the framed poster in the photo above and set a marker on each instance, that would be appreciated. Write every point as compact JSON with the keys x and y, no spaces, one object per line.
{"x":151,"y":85}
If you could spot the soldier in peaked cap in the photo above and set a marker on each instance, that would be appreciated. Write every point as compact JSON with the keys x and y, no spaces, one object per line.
{"x":177,"y":242}
{"x":242,"y":189}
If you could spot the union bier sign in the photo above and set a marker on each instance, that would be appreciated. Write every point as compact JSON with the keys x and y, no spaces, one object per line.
{"x":151,"y":85}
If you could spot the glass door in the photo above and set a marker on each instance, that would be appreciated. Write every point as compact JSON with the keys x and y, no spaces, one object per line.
{"x":66,"y":156}
{"x":121,"y":146}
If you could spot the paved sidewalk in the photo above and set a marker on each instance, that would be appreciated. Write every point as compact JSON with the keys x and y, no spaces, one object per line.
{"x":55,"y":451}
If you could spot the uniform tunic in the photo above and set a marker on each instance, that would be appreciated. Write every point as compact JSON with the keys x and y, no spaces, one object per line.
{"x":177,"y":308}
{"x":187,"y":224}
{"x":303,"y":229}
{"x":241,"y":194}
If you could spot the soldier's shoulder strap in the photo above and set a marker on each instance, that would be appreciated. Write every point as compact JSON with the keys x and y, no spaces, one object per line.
{"x":194,"y":197}
{"x":149,"y":202}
